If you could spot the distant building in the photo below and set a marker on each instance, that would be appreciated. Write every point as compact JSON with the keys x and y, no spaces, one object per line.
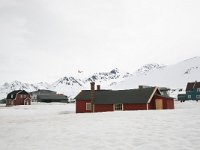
{"x":181,"y":97}
{"x":35,"y":94}
{"x":192,"y":92}
{"x":143,"y":98}
{"x":48,"y":96}
{"x":163,"y":90}
{"x":3,"y":101}
{"x":18,"y":97}
{"x":52,"y":98}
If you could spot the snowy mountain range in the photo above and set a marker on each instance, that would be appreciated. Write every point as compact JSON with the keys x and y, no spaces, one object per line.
{"x":173,"y":76}
{"x":69,"y":86}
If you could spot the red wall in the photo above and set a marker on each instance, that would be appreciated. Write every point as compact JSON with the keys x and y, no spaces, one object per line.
{"x":167,"y":103}
{"x":152,"y":104}
{"x":103,"y":107}
{"x":109,"y":107}
{"x":81,"y":106}
{"x":135,"y":107}
{"x":20,"y":101}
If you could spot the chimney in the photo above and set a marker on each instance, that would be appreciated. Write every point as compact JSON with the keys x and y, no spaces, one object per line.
{"x":92,"y":86}
{"x":98,"y":88}
{"x":140,"y":87}
{"x":92,"y":92}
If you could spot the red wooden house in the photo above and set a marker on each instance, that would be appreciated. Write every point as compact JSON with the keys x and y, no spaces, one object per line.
{"x":18,"y":97}
{"x":133,"y":99}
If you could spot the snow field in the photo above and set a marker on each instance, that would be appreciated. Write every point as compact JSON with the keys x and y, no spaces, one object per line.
{"x":57,"y":126}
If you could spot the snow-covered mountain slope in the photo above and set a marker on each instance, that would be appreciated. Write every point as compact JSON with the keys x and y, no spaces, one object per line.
{"x":173,"y":76}
{"x":144,"y":70}
{"x":69,"y":86}
{"x":72,"y":86}
{"x":17,"y":85}
{"x":106,"y":79}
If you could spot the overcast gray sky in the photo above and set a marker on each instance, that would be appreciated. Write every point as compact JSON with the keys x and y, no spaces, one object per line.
{"x":43,"y":40}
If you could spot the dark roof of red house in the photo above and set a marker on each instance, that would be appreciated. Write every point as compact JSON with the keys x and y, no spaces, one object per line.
{"x":14,"y":93}
{"x":132,"y":96}
{"x":192,"y":85}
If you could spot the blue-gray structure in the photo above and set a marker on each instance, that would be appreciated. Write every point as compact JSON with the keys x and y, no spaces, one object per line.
{"x":48,"y":96}
{"x":181,"y":97}
{"x":192,"y":92}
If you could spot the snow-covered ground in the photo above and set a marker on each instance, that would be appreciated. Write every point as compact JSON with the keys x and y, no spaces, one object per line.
{"x":58,"y":127}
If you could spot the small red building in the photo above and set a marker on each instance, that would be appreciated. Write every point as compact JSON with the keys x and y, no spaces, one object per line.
{"x":133,"y":99}
{"x":18,"y":97}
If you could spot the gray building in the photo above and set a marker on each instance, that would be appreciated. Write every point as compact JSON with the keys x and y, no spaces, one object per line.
{"x":47,"y":96}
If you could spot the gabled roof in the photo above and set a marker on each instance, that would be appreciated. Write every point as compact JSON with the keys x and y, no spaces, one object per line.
{"x":14,"y":93}
{"x":197,"y":85}
{"x":132,"y":96}
{"x":85,"y":94}
{"x":192,"y":85}
{"x":52,"y":97}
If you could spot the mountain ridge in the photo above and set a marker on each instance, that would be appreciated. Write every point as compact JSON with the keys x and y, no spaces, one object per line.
{"x":173,"y":76}
{"x":67,"y":85}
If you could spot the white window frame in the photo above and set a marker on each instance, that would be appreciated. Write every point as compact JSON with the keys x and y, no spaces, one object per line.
{"x":88,"y":106}
{"x":189,"y":96}
{"x":198,"y":89}
{"x":118,"y":107}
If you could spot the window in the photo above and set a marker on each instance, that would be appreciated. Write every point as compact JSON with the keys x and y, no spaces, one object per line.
{"x":189,"y":96}
{"x":118,"y":106}
{"x":11,"y":96}
{"x":198,"y":96}
{"x":88,"y":106}
{"x":21,"y":96}
{"x":198,"y":89}
{"x":24,"y":96}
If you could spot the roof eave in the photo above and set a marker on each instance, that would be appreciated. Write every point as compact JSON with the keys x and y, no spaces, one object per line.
{"x":154,"y":91}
